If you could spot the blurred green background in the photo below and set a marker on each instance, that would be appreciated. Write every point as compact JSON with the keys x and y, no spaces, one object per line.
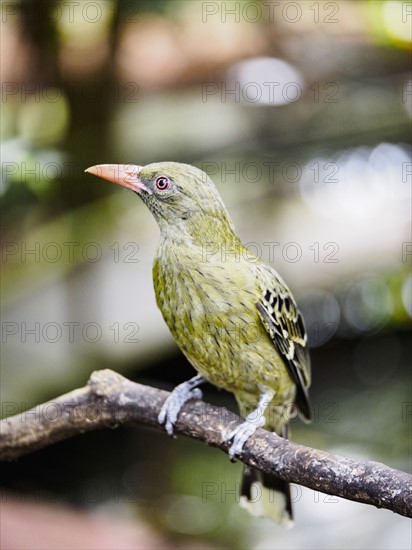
{"x":301,"y":114}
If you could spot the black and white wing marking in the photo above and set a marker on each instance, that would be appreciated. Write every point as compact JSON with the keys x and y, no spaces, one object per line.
{"x":284,"y":324}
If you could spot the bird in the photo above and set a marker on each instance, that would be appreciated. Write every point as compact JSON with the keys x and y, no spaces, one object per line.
{"x":232,"y":316}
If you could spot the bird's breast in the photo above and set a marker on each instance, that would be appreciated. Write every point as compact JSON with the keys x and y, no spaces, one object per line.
{"x":210,"y":310}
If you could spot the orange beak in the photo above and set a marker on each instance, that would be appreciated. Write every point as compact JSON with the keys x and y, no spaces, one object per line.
{"x":123,"y":174}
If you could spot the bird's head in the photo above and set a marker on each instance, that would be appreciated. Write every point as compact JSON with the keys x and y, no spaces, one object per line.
{"x":177,"y":194}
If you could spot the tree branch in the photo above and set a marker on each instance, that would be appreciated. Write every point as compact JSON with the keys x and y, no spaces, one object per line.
{"x":109,"y":400}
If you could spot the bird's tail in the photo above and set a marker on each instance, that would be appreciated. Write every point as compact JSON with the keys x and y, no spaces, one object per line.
{"x":266,"y":496}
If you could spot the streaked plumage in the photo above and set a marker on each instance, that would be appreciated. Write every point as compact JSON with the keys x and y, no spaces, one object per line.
{"x":231,"y":315}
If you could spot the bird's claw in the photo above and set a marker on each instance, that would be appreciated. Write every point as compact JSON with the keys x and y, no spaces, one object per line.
{"x":174,"y":403}
{"x":241,"y":434}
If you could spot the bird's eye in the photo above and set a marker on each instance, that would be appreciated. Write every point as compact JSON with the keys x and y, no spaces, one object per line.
{"x":163,"y":183}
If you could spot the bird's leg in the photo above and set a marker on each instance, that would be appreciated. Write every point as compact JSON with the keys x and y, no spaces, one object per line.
{"x":253,"y":421}
{"x":173,"y":404}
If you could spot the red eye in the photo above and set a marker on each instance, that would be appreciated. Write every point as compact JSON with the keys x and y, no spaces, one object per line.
{"x":163,"y":183}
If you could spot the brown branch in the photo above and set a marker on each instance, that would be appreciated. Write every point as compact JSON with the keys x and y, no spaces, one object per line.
{"x":109,"y":400}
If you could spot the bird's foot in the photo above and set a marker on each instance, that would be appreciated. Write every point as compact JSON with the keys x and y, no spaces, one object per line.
{"x":242,"y":433}
{"x":173,"y":404}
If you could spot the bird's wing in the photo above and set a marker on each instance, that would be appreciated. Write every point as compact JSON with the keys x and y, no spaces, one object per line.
{"x":284,"y":324}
